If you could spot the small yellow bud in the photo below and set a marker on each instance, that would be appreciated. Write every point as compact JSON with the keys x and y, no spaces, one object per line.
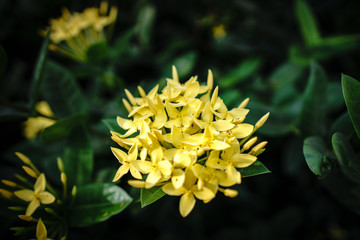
{"x":27,"y":218}
{"x":230,"y":192}
{"x":130,"y":97}
{"x":30,"y":172}
{"x":136,"y":183}
{"x":9,"y":183}
{"x":63,"y":178}
{"x":258,"y":147}
{"x":6,"y":193}
{"x":261,"y":121}
{"x":175,"y":75}
{"x":60,"y":164}
{"x":249,"y":144}
{"x":142,"y":92}
{"x":73,"y":191}
{"x":127,"y":105}
{"x":23,"y":158}
{"x":244,"y":103}
{"x":210,"y":80}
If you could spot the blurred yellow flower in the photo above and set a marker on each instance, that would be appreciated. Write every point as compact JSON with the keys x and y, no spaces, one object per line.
{"x":36,"y":196}
{"x":73,"y":33}
{"x":219,"y":31}
{"x":41,"y":232}
{"x":186,"y":140}
{"x":34,"y":125}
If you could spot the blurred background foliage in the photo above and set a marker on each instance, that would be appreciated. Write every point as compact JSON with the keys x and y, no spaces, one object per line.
{"x":286,"y":56}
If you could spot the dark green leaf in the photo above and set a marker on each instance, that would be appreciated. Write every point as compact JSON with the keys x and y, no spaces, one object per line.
{"x":112,"y":124}
{"x":348,"y":160}
{"x":315,"y":151}
{"x":313,"y":111}
{"x":185,"y":64}
{"x":97,"y":52}
{"x":343,"y":124}
{"x":148,"y":196}
{"x":146,"y":19}
{"x":243,"y":71}
{"x":351,"y":91}
{"x":62,"y":92}
{"x":122,"y":43}
{"x":38,"y":74}
{"x":286,"y":75}
{"x":3,"y":61}
{"x":339,"y":43}
{"x":78,"y":158}
{"x":335,"y":99}
{"x":256,"y":168}
{"x":62,"y":128}
{"x":308,"y":25}
{"x":96,"y":203}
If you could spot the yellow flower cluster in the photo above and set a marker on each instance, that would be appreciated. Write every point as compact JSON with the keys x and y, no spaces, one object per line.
{"x":72,"y":34}
{"x":186,"y":140}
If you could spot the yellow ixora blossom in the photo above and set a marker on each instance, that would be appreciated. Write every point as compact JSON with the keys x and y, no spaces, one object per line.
{"x":41,"y":232}
{"x":186,"y":140}
{"x":37,"y":196}
{"x":73,"y":33}
{"x":34,"y":125}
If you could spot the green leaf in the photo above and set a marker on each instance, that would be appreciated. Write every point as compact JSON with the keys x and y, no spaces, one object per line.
{"x":308,"y":25}
{"x":348,"y":160}
{"x":339,"y":43}
{"x":78,"y":158}
{"x":343,"y":124}
{"x":62,"y":92}
{"x":121,"y":43}
{"x":97,"y":52}
{"x":145,"y":23}
{"x":38,"y":74}
{"x":112,"y":124}
{"x":62,"y":128}
{"x":256,"y":168}
{"x":286,"y":75}
{"x":351,"y":92}
{"x":148,"y":196}
{"x":313,"y":111}
{"x":240,"y":73}
{"x":96,"y":203}
{"x":184,"y":64}
{"x":315,"y":152}
{"x":3,"y":61}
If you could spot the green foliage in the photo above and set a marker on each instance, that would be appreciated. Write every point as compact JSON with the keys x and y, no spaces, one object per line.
{"x":351,"y":91}
{"x":62,"y":92}
{"x":315,"y":152}
{"x":38,"y":74}
{"x":148,"y":196}
{"x":78,"y":158}
{"x":256,"y":168}
{"x":308,"y":25}
{"x":313,"y":112}
{"x":96,"y":203}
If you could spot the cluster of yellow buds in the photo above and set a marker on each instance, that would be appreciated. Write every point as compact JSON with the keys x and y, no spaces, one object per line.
{"x":72,"y":34}
{"x":35,"y":197}
{"x":186,"y":140}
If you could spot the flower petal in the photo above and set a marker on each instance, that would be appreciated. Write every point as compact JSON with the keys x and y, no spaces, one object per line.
{"x":25,"y":194}
{"x":187,"y":203}
{"x":34,"y":204}
{"x":223,"y":125}
{"x":119,"y":154}
{"x":46,"y":197}
{"x":41,"y":232}
{"x":242,"y":130}
{"x":170,"y":190}
{"x":40,"y":184}
{"x":134,"y":172}
{"x":243,"y":160}
{"x":178,"y":178}
{"x":121,"y":171}
{"x":153,"y":178}
{"x":233,"y":174}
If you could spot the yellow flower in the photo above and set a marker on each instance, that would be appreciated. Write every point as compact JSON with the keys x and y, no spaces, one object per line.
{"x":34,"y":125}
{"x":41,"y":232}
{"x":219,"y":31}
{"x":72,"y":34}
{"x":187,"y":141}
{"x":39,"y":195}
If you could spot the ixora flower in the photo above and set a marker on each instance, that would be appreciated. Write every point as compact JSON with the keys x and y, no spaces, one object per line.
{"x":185,"y":140}
{"x":36,"y":196}
{"x":73,"y":33}
{"x":34,"y":125}
{"x":41,"y":232}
